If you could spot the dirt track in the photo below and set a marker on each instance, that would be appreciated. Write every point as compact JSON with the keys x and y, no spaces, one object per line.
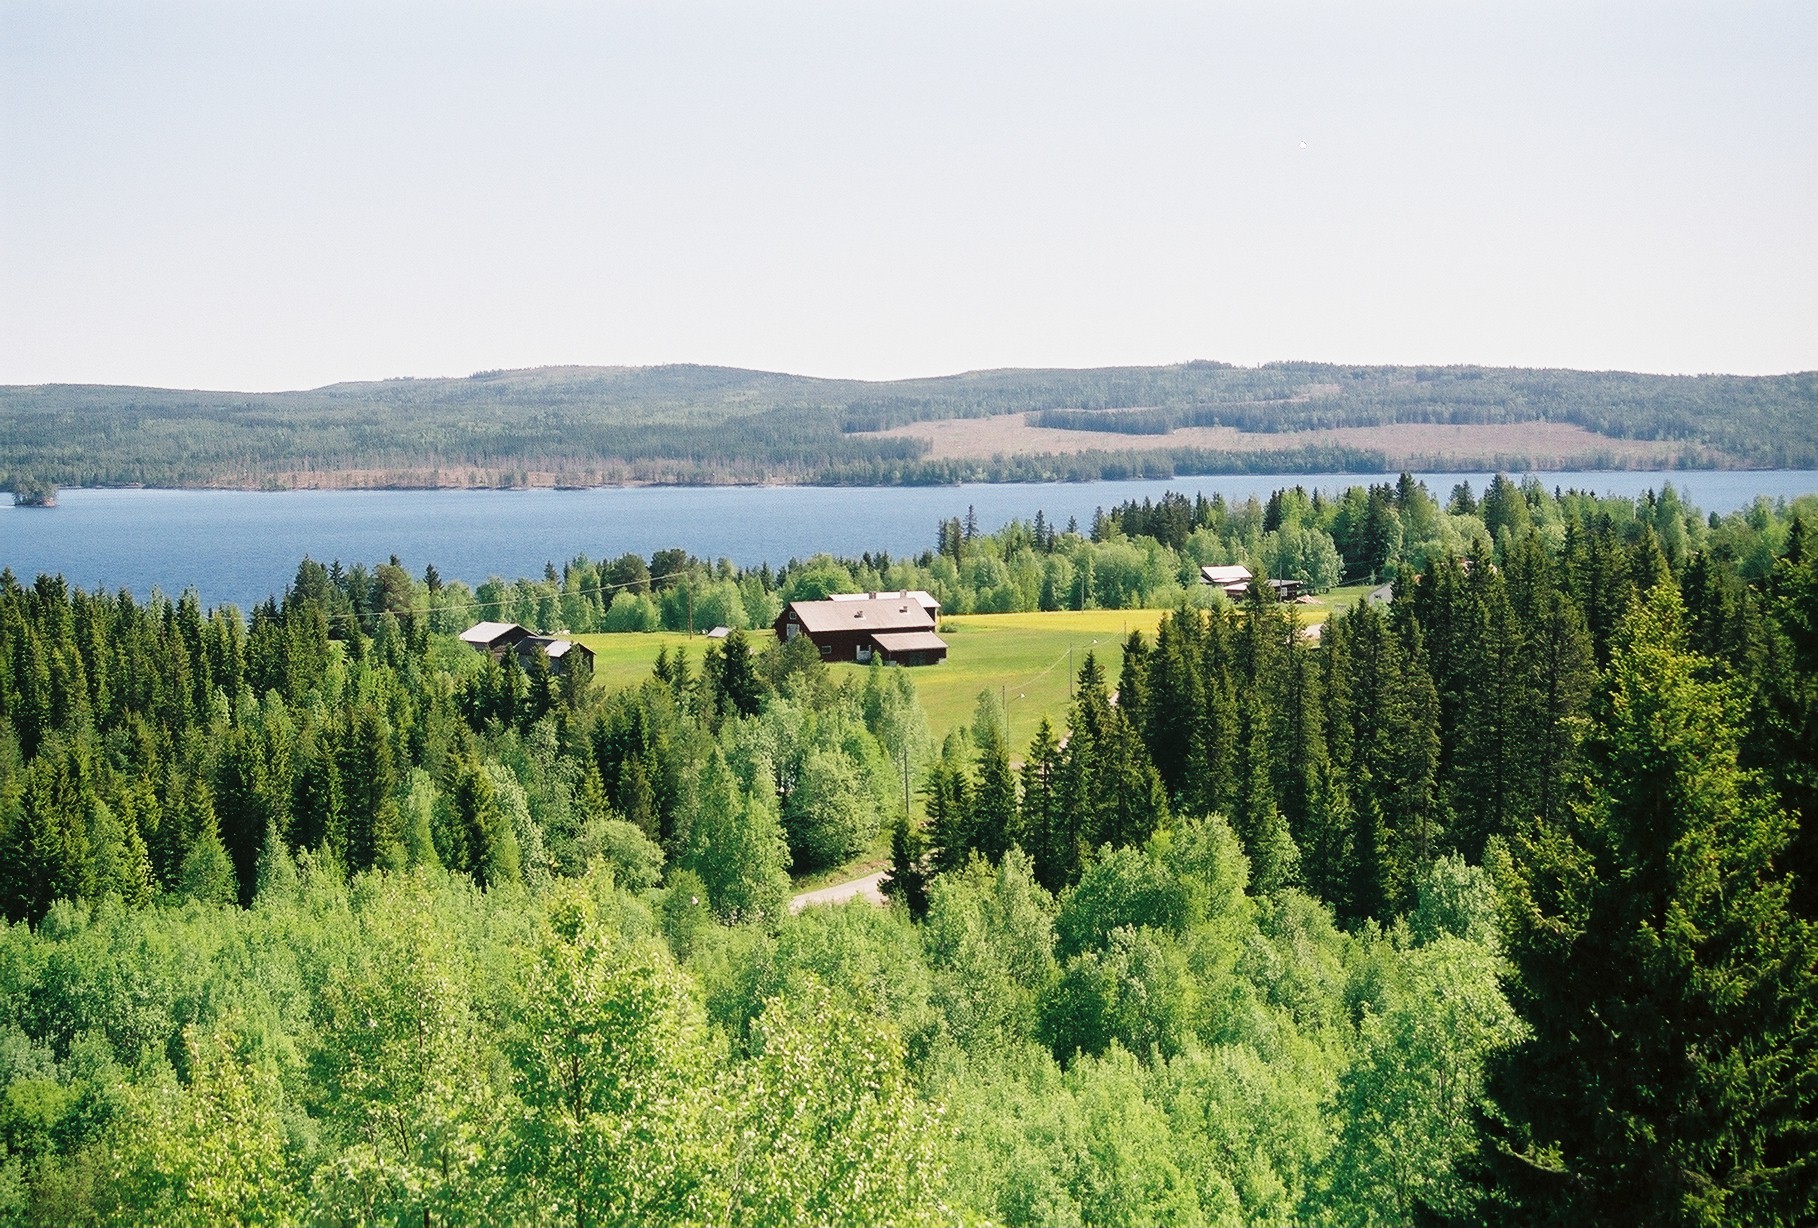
{"x":868,"y":888}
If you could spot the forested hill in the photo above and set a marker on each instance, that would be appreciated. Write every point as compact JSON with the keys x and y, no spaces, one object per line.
{"x":584,"y":425}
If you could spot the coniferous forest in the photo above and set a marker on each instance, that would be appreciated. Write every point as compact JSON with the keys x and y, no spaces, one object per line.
{"x":697,"y":424}
{"x":1493,"y":902}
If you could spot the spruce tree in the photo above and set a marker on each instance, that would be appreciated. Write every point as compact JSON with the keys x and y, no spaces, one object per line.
{"x":1486,"y":776}
{"x":1041,"y":810}
{"x":1300,"y":735}
{"x":1210,"y":784}
{"x":995,"y":825}
{"x":1671,"y":997}
{"x":948,"y":801}
{"x":1788,"y":745}
{"x":364,"y":763}
{"x":740,"y":690}
{"x":240,"y":804}
{"x":44,"y":848}
{"x":908,"y":877}
{"x":1131,"y":804}
{"x":1174,"y":697}
{"x":1274,"y":861}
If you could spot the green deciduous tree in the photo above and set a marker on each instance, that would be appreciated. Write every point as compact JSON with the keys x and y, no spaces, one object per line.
{"x":826,"y":1126}
{"x":611,"y":1065}
{"x":210,"y":1150}
{"x":737,"y":846}
{"x":830,"y":814}
{"x":405,"y":1070}
{"x":1407,"y":1104}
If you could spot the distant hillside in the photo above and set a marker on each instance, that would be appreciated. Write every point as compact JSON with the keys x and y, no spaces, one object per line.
{"x":589,"y":425}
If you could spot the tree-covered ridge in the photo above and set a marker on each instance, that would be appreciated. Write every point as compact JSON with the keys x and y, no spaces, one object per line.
{"x":1751,"y":418}
{"x":593,"y":424}
{"x":1494,"y":903}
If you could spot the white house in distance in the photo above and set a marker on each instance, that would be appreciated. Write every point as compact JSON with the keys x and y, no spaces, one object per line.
{"x":1232,"y":579}
{"x":921,"y":597}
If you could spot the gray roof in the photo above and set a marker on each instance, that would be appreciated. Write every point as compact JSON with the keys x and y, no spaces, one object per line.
{"x":1233,"y":573}
{"x":873,"y":614}
{"x":482,"y":634}
{"x":922,"y":597}
{"x":908,"y":641}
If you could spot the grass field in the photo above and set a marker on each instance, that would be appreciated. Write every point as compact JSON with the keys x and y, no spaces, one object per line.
{"x":1023,"y":657}
{"x":624,"y":659}
{"x":1028,"y":659}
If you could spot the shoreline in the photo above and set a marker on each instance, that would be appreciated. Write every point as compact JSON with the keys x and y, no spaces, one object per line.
{"x":403,"y":487}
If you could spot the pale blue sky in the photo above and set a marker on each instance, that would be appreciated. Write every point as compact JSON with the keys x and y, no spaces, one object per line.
{"x":276,"y":195}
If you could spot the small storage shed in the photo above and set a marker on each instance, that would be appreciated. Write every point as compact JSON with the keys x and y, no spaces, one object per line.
{"x":497,"y":639}
{"x":562,"y":654}
{"x":910,"y":647}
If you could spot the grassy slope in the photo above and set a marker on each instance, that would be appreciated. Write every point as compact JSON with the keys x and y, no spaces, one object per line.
{"x":1023,"y":656}
{"x":622,"y":660}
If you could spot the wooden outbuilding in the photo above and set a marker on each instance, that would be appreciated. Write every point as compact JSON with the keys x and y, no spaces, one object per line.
{"x":910,"y":647}
{"x":494,"y":638}
{"x":561,"y":654}
{"x":497,"y":639}
{"x":1233,"y":580}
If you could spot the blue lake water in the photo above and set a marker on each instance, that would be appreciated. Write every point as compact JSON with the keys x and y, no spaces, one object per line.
{"x":240,"y":547}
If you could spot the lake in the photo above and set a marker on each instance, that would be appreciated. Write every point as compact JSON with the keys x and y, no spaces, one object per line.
{"x":241,"y":546}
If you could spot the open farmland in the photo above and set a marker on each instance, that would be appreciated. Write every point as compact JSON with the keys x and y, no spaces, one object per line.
{"x":1024,"y":657}
{"x":1403,"y":445}
{"x":622,"y":659}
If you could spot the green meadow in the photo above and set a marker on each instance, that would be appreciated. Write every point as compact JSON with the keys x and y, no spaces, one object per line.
{"x":625,"y":658}
{"x":1023,"y":659}
{"x":1029,"y":659}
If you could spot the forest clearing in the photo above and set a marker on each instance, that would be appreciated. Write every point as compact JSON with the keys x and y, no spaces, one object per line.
{"x":1023,"y":657}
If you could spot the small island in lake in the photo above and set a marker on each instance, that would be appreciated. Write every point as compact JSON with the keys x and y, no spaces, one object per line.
{"x":34,"y":492}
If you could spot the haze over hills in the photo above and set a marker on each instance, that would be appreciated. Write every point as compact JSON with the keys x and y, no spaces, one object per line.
{"x":574,"y":425}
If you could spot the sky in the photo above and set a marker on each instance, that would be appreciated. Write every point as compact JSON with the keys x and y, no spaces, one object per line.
{"x":284,"y":195}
